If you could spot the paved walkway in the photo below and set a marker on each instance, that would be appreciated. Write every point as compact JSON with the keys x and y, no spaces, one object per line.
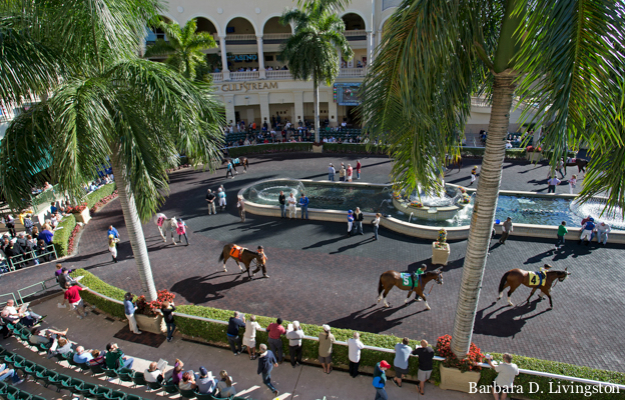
{"x":304,"y":382}
{"x":320,"y":276}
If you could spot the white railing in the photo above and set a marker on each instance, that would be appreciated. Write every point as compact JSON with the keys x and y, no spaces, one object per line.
{"x":352,"y":72}
{"x":280,"y":74}
{"x":243,"y":76}
{"x":10,"y":110}
{"x":240,"y":37}
{"x":217,"y":76}
{"x":356,"y":32}
{"x":390,"y":351}
{"x":479,"y":102}
{"x":276,"y":36}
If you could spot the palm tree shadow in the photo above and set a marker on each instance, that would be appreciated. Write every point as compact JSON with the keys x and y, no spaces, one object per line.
{"x":373,"y":319}
{"x":199,"y":289}
{"x":351,"y":246}
{"x":508,"y":323}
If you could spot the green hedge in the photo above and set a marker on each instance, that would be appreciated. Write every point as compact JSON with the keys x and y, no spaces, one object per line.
{"x":99,"y":194}
{"x":354,"y":148}
{"x":269,"y":148}
{"x":61,"y":236}
{"x":216,"y":333}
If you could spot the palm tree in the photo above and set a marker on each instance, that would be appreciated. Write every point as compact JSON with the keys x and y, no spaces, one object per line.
{"x":312,"y":50}
{"x":562,"y":59}
{"x":103,"y":102}
{"x":183,"y":47}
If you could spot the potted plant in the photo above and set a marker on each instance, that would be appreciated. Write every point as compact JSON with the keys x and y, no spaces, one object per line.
{"x":147,"y":315}
{"x":458,"y":374}
{"x":317,"y":147}
{"x":81,"y":212}
{"x":534,"y":154}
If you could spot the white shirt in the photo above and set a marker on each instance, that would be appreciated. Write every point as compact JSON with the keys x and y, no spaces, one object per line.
{"x":507,"y":372}
{"x":152,"y":376}
{"x":291,"y":201}
{"x":603,"y":228}
{"x":250,"y":329}
{"x":354,"y":346}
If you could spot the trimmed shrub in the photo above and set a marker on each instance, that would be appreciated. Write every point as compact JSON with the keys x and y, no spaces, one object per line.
{"x":93,"y":282}
{"x":61,"y":236}
{"x":354,"y":148}
{"x":516,"y":154}
{"x":269,"y":148}
{"x":93,"y":197}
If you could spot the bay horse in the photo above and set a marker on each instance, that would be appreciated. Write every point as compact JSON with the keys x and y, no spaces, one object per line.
{"x":516,"y":277}
{"x":581,"y":165}
{"x":391,"y":278}
{"x":246,"y":257}
{"x":240,"y":161}
{"x":165,"y":225}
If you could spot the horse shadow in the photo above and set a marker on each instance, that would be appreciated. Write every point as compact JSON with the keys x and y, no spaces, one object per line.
{"x":373,"y":319}
{"x":451,"y":265}
{"x":352,"y":246}
{"x":199,"y":289}
{"x":507,"y":323}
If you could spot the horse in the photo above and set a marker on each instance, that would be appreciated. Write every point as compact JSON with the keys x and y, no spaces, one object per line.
{"x":391,"y":278}
{"x":165,"y":225}
{"x":452,"y":163}
{"x":246,"y":256}
{"x":581,"y":165}
{"x":516,"y":277}
{"x":240,"y":161}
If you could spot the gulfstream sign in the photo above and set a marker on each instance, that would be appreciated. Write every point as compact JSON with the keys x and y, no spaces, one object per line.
{"x":246,"y":87}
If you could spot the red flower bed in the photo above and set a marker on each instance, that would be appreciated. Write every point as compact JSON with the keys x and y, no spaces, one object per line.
{"x":76,"y":209}
{"x":443,"y":349}
{"x":72,"y":239}
{"x":531,"y":149}
{"x":149,"y":307}
{"x":103,"y":201}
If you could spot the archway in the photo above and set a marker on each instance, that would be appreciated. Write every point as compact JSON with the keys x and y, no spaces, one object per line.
{"x":240,"y":26}
{"x":353,"y":22}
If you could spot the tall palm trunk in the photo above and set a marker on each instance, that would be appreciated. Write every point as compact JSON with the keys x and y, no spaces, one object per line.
{"x":483,"y":213}
{"x":316,"y":87}
{"x":135,"y":231}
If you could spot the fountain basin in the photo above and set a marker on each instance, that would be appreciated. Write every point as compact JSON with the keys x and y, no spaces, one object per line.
{"x":425,"y":212}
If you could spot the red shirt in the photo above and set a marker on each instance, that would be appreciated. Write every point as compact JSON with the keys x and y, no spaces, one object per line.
{"x":358,"y":167}
{"x":72,"y":294}
{"x":275,"y":330}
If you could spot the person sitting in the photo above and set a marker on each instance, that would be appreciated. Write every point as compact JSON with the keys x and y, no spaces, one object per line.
{"x":44,"y":335}
{"x":115,"y":357}
{"x":205,"y":381}
{"x":176,"y":374}
{"x":27,"y":318}
{"x":60,"y":346}
{"x":82,"y":356}
{"x":98,"y":358}
{"x":225,"y":384}
{"x":6,"y":372}
{"x":187,"y":382}
{"x":153,"y":374}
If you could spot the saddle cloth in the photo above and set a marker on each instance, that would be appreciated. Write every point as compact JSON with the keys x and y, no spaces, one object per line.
{"x":236,"y":251}
{"x":406,"y":279}
{"x":160,"y":221}
{"x":537,"y":278}
{"x":236,"y":161}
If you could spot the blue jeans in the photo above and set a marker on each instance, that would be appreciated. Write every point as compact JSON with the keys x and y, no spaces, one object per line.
{"x":235,"y":343}
{"x":358,"y":227}
{"x":375,"y":231}
{"x":357,"y":174}
{"x":305,"y":212}
{"x":380,"y":394}
{"x":603,"y":237}
{"x":331,"y":177}
{"x":283,"y":210}
{"x":127,"y":363}
{"x":170,"y":329}
{"x":9,"y":373}
{"x":267,"y":380}
{"x":560,"y":241}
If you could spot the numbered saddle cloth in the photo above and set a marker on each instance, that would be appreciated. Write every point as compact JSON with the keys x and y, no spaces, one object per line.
{"x":236,"y":251}
{"x":406,"y":279}
{"x":160,"y":220}
{"x":537,"y":278}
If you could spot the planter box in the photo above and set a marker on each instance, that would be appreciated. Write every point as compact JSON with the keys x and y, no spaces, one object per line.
{"x":317,"y":149}
{"x":440,"y":255}
{"x":535,"y":156}
{"x":151,"y":324}
{"x":454,"y":379}
{"x":83,"y":217}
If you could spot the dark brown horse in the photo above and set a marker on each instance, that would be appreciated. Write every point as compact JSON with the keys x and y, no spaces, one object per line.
{"x":516,"y":277}
{"x":237,"y":161}
{"x":581,"y":165}
{"x":246,"y":256}
{"x":391,"y":278}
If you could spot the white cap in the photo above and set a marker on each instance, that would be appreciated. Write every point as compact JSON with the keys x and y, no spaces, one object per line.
{"x":326,"y":327}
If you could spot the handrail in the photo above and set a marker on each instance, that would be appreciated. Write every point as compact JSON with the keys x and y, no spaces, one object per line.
{"x":44,"y":287}
{"x":385,"y":350}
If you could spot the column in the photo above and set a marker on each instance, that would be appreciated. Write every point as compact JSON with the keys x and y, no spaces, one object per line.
{"x":261,"y":58}
{"x":370,"y":47}
{"x":224,"y":59}
{"x":333,"y":110}
{"x":229,"y":103}
{"x":378,"y":40}
{"x":263,"y":98}
{"x":298,"y":102}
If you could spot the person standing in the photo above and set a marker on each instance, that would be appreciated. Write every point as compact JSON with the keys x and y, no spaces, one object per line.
{"x":230,"y":170}
{"x":425,"y":354}
{"x":303,"y":203}
{"x":266,"y":363}
{"x":358,"y":168}
{"x":9,"y":222}
{"x":562,"y":231}
{"x":275,"y":330}
{"x":572,"y":183}
{"x":354,"y":346}
{"x":210,"y":200}
{"x":326,"y":339}
{"x":234,"y":324}
{"x":249,"y":337}
{"x":221,"y":194}
{"x":376,"y":225}
{"x":295,"y":337}
{"x":113,"y":247}
{"x":282,"y":201}
{"x":379,"y":380}
{"x":473,"y":175}
{"x":350,"y":222}
{"x":241,"y":207}
{"x":292,"y":202}
{"x":350,"y":173}
{"x":506,"y":371}
{"x":402,"y":354}
{"x":167,"y":309}
{"x":342,"y":173}
{"x":72,"y":296}
{"x":331,"y":173}
{"x":112,"y":231}
{"x":602,"y":233}
{"x":559,"y":168}
{"x":358,"y":218}
{"x":129,"y":310}
{"x":181,"y":230}
{"x":506,"y":229}
{"x":552,"y":183}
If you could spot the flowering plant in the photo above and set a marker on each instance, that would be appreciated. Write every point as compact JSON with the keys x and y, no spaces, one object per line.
{"x":72,"y":240}
{"x":150,"y":307}
{"x":417,"y":204}
{"x":470,"y":363}
{"x":531,"y":149}
{"x":76,"y":209}
{"x":396,"y":195}
{"x":103,"y":201}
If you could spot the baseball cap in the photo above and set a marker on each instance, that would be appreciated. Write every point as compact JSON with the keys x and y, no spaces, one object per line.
{"x":203,"y":371}
{"x":384,"y":364}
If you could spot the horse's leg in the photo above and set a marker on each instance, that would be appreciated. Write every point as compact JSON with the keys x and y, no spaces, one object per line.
{"x":410,"y":294}
{"x":240,"y":267}
{"x":512,"y":289}
{"x":548,"y":293}
{"x":384,"y":297}
{"x":225,"y":259}
{"x":173,"y":240}
{"x":245,"y":167}
{"x":531,"y":294}
{"x":160,"y":230}
{"x":502,"y":290}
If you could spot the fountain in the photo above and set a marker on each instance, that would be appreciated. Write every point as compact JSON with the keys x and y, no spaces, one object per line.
{"x":410,"y":217}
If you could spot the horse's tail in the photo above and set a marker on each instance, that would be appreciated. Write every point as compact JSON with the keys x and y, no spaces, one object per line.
{"x":221,"y":256}
{"x":380,"y":285}
{"x":504,"y":278}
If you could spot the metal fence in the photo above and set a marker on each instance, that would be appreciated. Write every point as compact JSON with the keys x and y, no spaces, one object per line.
{"x":19,"y":259}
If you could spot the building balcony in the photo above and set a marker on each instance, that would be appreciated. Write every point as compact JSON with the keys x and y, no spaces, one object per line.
{"x":359,"y":34}
{"x":352,"y":72}
{"x":279,"y":75}
{"x":276,"y":38}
